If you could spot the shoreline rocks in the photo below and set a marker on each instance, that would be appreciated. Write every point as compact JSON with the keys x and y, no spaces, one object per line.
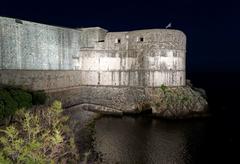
{"x":165,"y":102}
{"x":179,"y":103}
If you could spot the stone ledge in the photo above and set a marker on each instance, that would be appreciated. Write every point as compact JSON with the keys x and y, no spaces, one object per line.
{"x":178,"y":102}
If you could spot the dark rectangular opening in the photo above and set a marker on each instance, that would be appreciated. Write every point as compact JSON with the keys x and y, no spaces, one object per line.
{"x":118,"y":41}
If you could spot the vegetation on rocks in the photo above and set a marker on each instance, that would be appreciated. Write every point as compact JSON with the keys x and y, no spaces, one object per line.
{"x":177,"y":102}
{"x":40,"y":135}
{"x":12,"y":99}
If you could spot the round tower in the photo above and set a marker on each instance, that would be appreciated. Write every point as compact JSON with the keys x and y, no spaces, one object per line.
{"x":161,"y":54}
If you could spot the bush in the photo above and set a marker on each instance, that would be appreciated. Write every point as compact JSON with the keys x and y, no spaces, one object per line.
{"x":163,"y":88}
{"x":12,"y":98}
{"x":40,"y":136}
{"x":39,"y":97}
{"x":23,"y":98}
{"x":7,"y":104}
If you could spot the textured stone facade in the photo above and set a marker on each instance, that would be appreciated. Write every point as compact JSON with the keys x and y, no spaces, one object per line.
{"x":89,"y":56}
{"x":110,"y":72}
{"x":184,"y":102}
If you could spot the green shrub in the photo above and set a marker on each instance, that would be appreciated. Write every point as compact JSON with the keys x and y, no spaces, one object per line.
{"x":39,"y":97}
{"x":40,"y":136}
{"x":163,"y":88}
{"x":7,"y":104}
{"x":23,"y":98}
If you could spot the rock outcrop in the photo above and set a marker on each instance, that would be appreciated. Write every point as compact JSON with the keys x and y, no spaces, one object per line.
{"x":167,"y":102}
{"x":179,"y":102}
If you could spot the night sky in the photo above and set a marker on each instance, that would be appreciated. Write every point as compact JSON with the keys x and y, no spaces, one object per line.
{"x":212,"y":27}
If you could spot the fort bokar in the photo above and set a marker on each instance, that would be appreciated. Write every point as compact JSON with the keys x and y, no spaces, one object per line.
{"x":108,"y":72}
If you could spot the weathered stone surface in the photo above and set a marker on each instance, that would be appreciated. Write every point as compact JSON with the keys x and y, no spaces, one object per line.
{"x":179,"y":102}
{"x":133,"y":58}
{"x":100,"y":109}
{"x":182,"y":102}
{"x":111,"y":72}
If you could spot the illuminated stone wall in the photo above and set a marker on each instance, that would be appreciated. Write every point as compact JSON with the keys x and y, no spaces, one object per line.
{"x":137,"y":58}
{"x":47,"y":57}
{"x":27,"y":45}
{"x":163,"y":53}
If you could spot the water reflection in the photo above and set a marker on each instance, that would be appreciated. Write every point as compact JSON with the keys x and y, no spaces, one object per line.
{"x":147,"y":140}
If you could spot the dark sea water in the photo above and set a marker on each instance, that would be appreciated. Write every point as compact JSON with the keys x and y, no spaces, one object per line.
{"x":145,"y":140}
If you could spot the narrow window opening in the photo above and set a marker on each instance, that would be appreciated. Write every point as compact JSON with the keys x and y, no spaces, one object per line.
{"x":140,"y":39}
{"x":118,"y":41}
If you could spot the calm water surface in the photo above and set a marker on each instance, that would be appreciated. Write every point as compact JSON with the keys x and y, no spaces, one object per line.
{"x":146,"y":140}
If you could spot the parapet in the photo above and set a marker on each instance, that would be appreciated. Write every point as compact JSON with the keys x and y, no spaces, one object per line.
{"x":166,"y":38}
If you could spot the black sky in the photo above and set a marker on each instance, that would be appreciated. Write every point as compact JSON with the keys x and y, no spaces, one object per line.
{"x":212,"y":27}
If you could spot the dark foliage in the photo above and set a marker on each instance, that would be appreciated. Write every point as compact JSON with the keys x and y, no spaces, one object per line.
{"x":8,"y":106}
{"x":39,"y":97}
{"x":23,"y":98}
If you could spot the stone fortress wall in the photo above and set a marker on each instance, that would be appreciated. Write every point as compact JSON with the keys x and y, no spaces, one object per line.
{"x":46,"y":57}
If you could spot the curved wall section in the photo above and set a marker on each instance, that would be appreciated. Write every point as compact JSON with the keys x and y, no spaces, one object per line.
{"x":163,"y":55}
{"x":89,"y":56}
